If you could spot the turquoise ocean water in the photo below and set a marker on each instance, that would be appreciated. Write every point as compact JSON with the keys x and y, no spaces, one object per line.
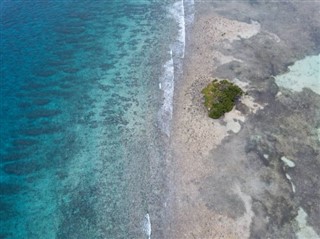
{"x":86,"y":104}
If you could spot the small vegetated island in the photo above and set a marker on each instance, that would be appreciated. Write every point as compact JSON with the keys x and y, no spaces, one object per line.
{"x":220,"y":96}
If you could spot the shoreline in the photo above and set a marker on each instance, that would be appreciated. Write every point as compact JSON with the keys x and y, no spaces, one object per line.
{"x":192,"y":137}
{"x":211,"y":197}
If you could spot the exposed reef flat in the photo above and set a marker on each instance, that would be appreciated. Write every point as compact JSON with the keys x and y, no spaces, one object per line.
{"x":254,"y":173}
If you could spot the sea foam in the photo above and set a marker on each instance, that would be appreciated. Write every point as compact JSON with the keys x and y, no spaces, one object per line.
{"x":147,"y":225}
{"x":177,"y":12}
{"x":189,"y":12}
{"x":173,"y":67}
{"x":167,"y":86}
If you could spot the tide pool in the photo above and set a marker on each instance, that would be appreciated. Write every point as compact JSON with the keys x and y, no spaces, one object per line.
{"x":304,"y":73}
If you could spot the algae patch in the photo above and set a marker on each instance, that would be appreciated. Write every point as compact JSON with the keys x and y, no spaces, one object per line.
{"x":220,"y":97}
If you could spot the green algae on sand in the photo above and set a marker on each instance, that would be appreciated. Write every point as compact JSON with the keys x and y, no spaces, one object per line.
{"x":220,"y":96}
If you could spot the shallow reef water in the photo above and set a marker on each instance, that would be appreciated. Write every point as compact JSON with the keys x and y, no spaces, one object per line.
{"x":80,"y":148}
{"x":302,"y":74}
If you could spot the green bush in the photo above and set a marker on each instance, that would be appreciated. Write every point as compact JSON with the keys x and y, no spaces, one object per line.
{"x":220,"y":97}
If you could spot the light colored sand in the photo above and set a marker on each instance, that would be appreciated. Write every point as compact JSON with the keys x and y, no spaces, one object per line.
{"x":288,"y":162}
{"x":305,"y":231}
{"x":194,"y":134}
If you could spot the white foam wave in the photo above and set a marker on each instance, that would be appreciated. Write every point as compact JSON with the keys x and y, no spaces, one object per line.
{"x":167,"y":86}
{"x":189,"y":11}
{"x":177,"y":12}
{"x":173,"y":67}
{"x":147,"y":225}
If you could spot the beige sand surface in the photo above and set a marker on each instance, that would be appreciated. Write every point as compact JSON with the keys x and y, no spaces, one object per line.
{"x":195,"y":134}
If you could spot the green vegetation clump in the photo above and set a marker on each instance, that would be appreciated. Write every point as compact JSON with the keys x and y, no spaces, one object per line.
{"x":220,"y":97}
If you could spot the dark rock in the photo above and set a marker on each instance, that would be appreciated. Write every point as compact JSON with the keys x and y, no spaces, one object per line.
{"x":21,"y":168}
{"x":41,"y":101}
{"x":13,"y":156}
{"x":43,"y":114}
{"x":24,"y":142}
{"x":9,"y":188}
{"x":42,"y":131}
{"x":242,"y":108}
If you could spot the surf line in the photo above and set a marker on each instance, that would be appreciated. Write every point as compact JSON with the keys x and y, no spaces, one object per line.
{"x":177,"y":12}
{"x":166,"y":83}
{"x":167,"y":86}
{"x":147,"y":225}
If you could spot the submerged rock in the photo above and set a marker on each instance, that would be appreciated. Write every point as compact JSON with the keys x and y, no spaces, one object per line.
{"x":9,"y":188}
{"x":21,"y":168}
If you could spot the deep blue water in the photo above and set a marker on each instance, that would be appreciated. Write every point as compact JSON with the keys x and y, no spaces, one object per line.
{"x":81,"y":150}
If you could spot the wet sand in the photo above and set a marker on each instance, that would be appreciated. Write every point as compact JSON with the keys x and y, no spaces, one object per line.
{"x":227,"y":179}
